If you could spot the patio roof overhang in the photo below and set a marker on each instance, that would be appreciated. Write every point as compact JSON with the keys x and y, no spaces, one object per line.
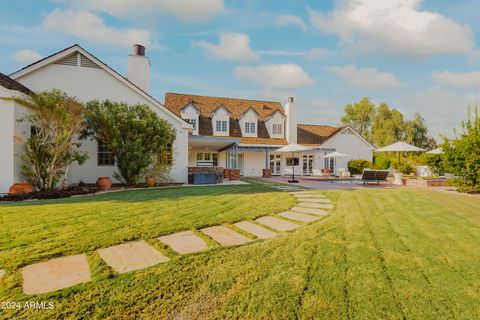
{"x":211,"y":143}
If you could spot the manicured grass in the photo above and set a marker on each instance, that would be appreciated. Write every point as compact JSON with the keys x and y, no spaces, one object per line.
{"x":382,"y":254}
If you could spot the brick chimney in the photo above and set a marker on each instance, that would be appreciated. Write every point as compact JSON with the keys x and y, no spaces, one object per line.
{"x":139,"y":68}
{"x":291,"y":127}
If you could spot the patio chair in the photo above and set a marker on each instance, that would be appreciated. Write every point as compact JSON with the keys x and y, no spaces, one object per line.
{"x":374,"y":176}
{"x":326,"y":172}
{"x":317,"y":173}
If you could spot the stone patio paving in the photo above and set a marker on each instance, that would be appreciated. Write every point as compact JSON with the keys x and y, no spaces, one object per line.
{"x":184,"y":242}
{"x":55,"y":274}
{"x":131,"y":256}
{"x":68,"y":271}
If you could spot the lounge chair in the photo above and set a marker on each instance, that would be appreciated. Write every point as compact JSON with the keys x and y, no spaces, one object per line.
{"x":374,"y":176}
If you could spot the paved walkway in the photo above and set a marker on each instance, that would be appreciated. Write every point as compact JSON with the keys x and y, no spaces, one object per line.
{"x":68,"y":271}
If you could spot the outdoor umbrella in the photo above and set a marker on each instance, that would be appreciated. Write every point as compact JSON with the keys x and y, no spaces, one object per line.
{"x":336,"y":155}
{"x":293,"y":147}
{"x":400,"y":147}
{"x":435,"y":151}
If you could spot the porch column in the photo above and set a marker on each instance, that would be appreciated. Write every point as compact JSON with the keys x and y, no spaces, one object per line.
{"x":267,"y":162}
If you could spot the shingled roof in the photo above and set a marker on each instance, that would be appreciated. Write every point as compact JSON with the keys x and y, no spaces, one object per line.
{"x":311,"y":134}
{"x":9,"y":83}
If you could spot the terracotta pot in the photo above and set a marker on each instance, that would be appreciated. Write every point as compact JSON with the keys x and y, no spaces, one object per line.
{"x":150,"y":182}
{"x":21,"y":188}
{"x":104,"y":183}
{"x":267,"y":173}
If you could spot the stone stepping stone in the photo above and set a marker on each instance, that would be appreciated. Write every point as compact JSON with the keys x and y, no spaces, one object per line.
{"x":277,"y":224}
{"x":2,"y":273}
{"x":310,"y":210}
{"x":300,"y":193}
{"x":316,"y":205}
{"x":184,"y":242}
{"x":225,"y":236}
{"x":298,"y":216}
{"x":310,"y":196}
{"x":55,"y":274}
{"x":315,"y":200}
{"x":131,"y":256}
{"x":254,"y":229}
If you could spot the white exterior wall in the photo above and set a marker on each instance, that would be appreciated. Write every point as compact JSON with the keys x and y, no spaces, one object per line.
{"x":249,"y":116}
{"x":253,"y":163}
{"x":92,"y":83}
{"x":22,"y":133}
{"x":190,"y":112}
{"x":139,"y":71}
{"x":277,"y":118}
{"x":221,"y":114}
{"x":351,"y":144}
{"x":7,"y":113}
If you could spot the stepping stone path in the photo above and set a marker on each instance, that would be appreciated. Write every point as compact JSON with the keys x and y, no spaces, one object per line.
{"x":310,"y":210}
{"x":254,"y":229}
{"x":184,"y":242}
{"x":277,"y":224}
{"x":55,"y":274}
{"x":225,"y":236}
{"x":316,"y":205}
{"x":68,"y":271}
{"x":131,"y":256}
{"x":298,"y":216}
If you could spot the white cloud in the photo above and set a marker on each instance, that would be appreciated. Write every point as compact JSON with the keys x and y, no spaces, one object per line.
{"x":366,"y":78}
{"x":398,"y":27}
{"x":316,"y":53}
{"x":275,"y":76}
{"x":460,"y":80}
{"x":232,"y":46}
{"x":290,"y":20}
{"x":312,"y":54}
{"x":187,"y":11}
{"x":86,"y":25}
{"x":26,"y":56}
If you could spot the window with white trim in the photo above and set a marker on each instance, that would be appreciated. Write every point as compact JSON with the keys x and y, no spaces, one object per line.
{"x":221,"y":126}
{"x":277,"y":128}
{"x":207,"y":159}
{"x":249,"y":127}
{"x":105,"y":156}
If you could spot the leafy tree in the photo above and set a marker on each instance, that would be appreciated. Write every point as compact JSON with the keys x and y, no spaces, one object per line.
{"x":388,"y":126}
{"x":360,"y":116}
{"x":52,"y":147}
{"x":416,"y":133}
{"x":135,"y":135}
{"x":461,"y":154}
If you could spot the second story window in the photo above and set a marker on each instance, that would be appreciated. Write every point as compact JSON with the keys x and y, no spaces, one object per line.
{"x":193,"y":122}
{"x":249,"y":127}
{"x":277,"y":128}
{"x":221,"y":126}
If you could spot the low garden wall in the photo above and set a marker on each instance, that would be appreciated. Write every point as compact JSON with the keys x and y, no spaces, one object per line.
{"x":215,"y":170}
{"x":425,"y":183}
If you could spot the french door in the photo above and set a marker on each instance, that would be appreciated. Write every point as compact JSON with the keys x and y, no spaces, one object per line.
{"x":307,"y":164}
{"x":275,"y":163}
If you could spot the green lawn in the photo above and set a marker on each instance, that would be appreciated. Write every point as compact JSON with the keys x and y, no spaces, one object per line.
{"x":382,"y":254}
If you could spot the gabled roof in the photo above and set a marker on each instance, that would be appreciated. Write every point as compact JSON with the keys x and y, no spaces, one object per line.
{"x":57,"y":56}
{"x":9,"y":83}
{"x":271,"y":115}
{"x":218,"y":108}
{"x":311,"y":134}
{"x":244,"y":113}
{"x":207,"y":104}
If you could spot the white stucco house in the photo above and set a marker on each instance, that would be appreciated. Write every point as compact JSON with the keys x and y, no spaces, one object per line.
{"x":80,"y":74}
{"x":211,"y":131}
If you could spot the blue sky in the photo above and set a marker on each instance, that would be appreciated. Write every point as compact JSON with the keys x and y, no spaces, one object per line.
{"x":418,"y":56}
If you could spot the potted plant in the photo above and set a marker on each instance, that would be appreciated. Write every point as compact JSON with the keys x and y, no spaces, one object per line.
{"x":20,"y":188}
{"x":104,"y":183}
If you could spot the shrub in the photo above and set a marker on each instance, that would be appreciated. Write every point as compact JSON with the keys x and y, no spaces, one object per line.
{"x":461,"y":155}
{"x":56,"y":121}
{"x":382,"y":161}
{"x":405,"y":168}
{"x":135,"y":135}
{"x":357,"y":166}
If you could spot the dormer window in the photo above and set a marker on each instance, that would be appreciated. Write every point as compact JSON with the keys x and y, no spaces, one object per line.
{"x":221,"y":126}
{"x":277,"y":128}
{"x":249,"y":127}
{"x":193,"y":122}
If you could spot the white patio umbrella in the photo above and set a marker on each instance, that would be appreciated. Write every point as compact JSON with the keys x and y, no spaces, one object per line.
{"x":335,"y":155}
{"x":400,"y":147}
{"x":293,"y":147}
{"x":435,"y":151}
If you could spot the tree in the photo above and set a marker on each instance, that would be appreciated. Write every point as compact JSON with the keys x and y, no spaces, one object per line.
{"x":416,"y":133}
{"x":461,"y":154}
{"x":388,"y":126}
{"x":135,"y":135}
{"x":359,"y":116}
{"x":56,"y":120}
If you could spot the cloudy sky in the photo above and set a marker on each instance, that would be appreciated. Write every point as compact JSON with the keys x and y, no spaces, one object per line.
{"x":418,"y":56}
